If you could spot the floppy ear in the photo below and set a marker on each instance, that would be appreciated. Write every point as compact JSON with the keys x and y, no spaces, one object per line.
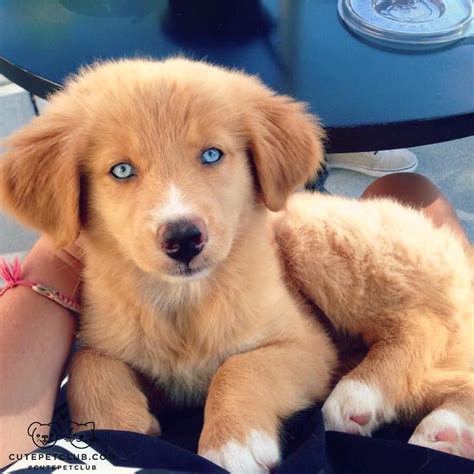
{"x":39,"y":177}
{"x":286,"y":145}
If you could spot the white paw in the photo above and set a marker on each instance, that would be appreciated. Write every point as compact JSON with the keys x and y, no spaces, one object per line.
{"x":260,"y":454}
{"x":446,"y":431}
{"x":356,"y":407}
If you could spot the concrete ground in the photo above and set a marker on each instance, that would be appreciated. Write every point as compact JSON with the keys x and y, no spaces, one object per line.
{"x":450,"y":165}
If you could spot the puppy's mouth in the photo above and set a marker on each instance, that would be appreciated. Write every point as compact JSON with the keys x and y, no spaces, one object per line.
{"x":186,"y":273}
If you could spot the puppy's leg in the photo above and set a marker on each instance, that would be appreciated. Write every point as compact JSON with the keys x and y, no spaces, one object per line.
{"x":107,"y":392}
{"x":252,"y":392}
{"x":450,"y":425}
{"x":402,"y":349}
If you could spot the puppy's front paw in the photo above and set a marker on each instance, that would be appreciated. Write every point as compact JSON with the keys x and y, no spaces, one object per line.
{"x":356,"y":407}
{"x":256,"y":453}
{"x":445,"y":431}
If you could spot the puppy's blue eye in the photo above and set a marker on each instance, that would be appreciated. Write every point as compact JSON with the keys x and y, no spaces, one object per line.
{"x":122,"y":171}
{"x":211,"y":156}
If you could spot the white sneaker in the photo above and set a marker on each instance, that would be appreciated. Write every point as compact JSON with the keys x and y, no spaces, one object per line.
{"x":375,"y":163}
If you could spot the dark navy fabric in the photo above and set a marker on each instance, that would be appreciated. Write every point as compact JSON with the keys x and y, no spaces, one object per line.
{"x":306,"y":448}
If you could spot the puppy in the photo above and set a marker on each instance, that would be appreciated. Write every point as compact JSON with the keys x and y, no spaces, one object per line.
{"x":387,"y":278}
{"x":169,"y":170}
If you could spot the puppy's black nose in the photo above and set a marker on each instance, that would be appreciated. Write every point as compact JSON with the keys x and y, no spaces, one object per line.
{"x":183,"y":239}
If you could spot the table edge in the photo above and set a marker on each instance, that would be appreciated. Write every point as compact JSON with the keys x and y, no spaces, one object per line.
{"x":344,"y":139}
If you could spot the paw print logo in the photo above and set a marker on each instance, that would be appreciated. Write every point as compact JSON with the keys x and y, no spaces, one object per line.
{"x":82,"y":434}
{"x":44,"y":435}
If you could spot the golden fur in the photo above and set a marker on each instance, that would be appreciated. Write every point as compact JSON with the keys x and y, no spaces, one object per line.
{"x":241,"y":335}
{"x":386,"y":275}
{"x":236,"y":335}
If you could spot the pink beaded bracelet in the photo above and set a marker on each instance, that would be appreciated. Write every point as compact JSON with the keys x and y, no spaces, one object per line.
{"x":11,"y":273}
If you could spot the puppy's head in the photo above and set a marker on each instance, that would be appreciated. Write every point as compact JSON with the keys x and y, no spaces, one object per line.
{"x":164,"y":162}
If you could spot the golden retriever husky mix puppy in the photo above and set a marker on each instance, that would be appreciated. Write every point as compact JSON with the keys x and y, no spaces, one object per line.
{"x":168,"y":169}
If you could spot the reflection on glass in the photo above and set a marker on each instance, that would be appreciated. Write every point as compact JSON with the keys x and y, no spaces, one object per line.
{"x":410,"y":11}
